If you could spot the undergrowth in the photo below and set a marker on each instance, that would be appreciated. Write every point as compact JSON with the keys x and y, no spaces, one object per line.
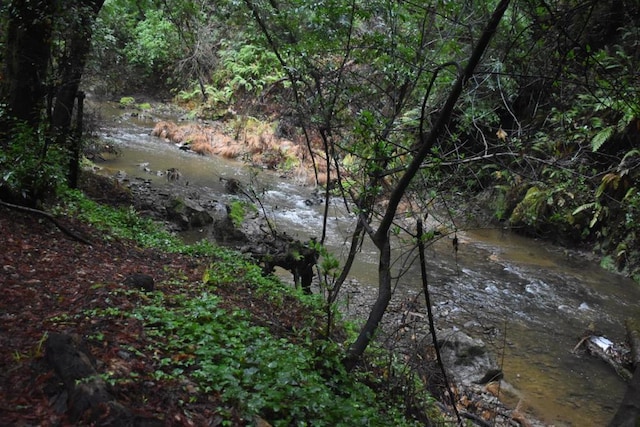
{"x":223,"y":352}
{"x":197,"y":338}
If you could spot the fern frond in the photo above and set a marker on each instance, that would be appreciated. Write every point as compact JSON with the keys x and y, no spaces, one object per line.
{"x":609,"y":181}
{"x":601,"y":137}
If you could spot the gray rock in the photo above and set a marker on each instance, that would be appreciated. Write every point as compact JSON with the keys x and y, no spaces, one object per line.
{"x":140,"y":281}
{"x":227,"y":234}
{"x":187,"y":214}
{"x":467,"y":359}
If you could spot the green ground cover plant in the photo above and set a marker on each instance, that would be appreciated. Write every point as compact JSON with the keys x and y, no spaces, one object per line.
{"x":286,"y":374}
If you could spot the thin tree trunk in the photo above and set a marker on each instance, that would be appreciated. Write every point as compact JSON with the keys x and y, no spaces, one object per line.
{"x":73,"y":66}
{"x":628,"y":413}
{"x":381,"y":236}
{"x":377,"y":312}
{"x":76,"y":144}
{"x":71,"y":74}
{"x":432,"y":324}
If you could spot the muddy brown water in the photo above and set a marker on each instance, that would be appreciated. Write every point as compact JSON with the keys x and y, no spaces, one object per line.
{"x":529,"y":300}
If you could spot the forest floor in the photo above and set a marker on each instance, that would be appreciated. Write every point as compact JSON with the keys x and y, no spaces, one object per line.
{"x":51,"y":282}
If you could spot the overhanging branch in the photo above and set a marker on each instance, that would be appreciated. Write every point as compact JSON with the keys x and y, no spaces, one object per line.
{"x":445,"y":114}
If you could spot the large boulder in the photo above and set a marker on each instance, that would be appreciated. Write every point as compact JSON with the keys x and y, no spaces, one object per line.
{"x":467,"y":359}
{"x":187,"y":214}
{"x":226,"y":233}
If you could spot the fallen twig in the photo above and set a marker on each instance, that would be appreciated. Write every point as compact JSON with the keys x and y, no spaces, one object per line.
{"x":48,"y":216}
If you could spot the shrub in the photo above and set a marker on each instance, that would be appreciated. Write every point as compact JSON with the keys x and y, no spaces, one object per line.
{"x":31,"y":168}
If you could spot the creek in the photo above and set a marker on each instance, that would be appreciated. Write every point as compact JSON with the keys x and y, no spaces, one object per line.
{"x":529,"y":300}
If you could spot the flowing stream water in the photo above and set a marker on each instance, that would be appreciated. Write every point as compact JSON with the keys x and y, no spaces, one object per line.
{"x":533,"y":300}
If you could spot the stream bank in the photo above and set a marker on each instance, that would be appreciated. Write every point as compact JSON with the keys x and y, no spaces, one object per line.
{"x":529,"y":301}
{"x":404,"y":331}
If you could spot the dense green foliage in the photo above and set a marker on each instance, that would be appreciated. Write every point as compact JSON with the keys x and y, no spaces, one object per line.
{"x":137,"y":39}
{"x":255,"y":371}
{"x":30,"y":169}
{"x":548,"y":126}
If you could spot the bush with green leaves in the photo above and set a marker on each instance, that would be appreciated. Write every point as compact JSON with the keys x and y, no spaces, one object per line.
{"x":133,"y":44}
{"x":155,"y":42}
{"x":244,"y":67}
{"x":238,"y":210}
{"x":31,"y":167}
{"x":249,"y":68}
{"x":253,"y":370}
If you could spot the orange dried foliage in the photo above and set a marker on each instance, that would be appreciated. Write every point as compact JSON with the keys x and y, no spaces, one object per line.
{"x":254,"y":144}
{"x":164,"y":130}
{"x":230,"y":151}
{"x":199,"y":143}
{"x":260,"y":149}
{"x":493,"y":388}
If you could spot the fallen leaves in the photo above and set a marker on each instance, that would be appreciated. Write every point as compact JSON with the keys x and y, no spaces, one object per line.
{"x":47,"y":282}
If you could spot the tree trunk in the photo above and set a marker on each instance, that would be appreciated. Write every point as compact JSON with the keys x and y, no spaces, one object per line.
{"x":381,"y":236}
{"x":628,"y":414}
{"x":73,"y":62}
{"x":633,"y":336}
{"x":71,"y":69}
{"x":76,"y":144}
{"x":26,"y":60}
{"x":379,"y":308}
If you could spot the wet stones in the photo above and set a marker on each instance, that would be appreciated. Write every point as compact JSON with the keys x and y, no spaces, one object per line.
{"x":232,"y":185}
{"x":187,"y":214}
{"x":173,"y":174}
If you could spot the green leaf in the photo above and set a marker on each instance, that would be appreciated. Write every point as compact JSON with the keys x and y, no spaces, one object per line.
{"x":601,"y":137}
{"x":584,"y":208}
